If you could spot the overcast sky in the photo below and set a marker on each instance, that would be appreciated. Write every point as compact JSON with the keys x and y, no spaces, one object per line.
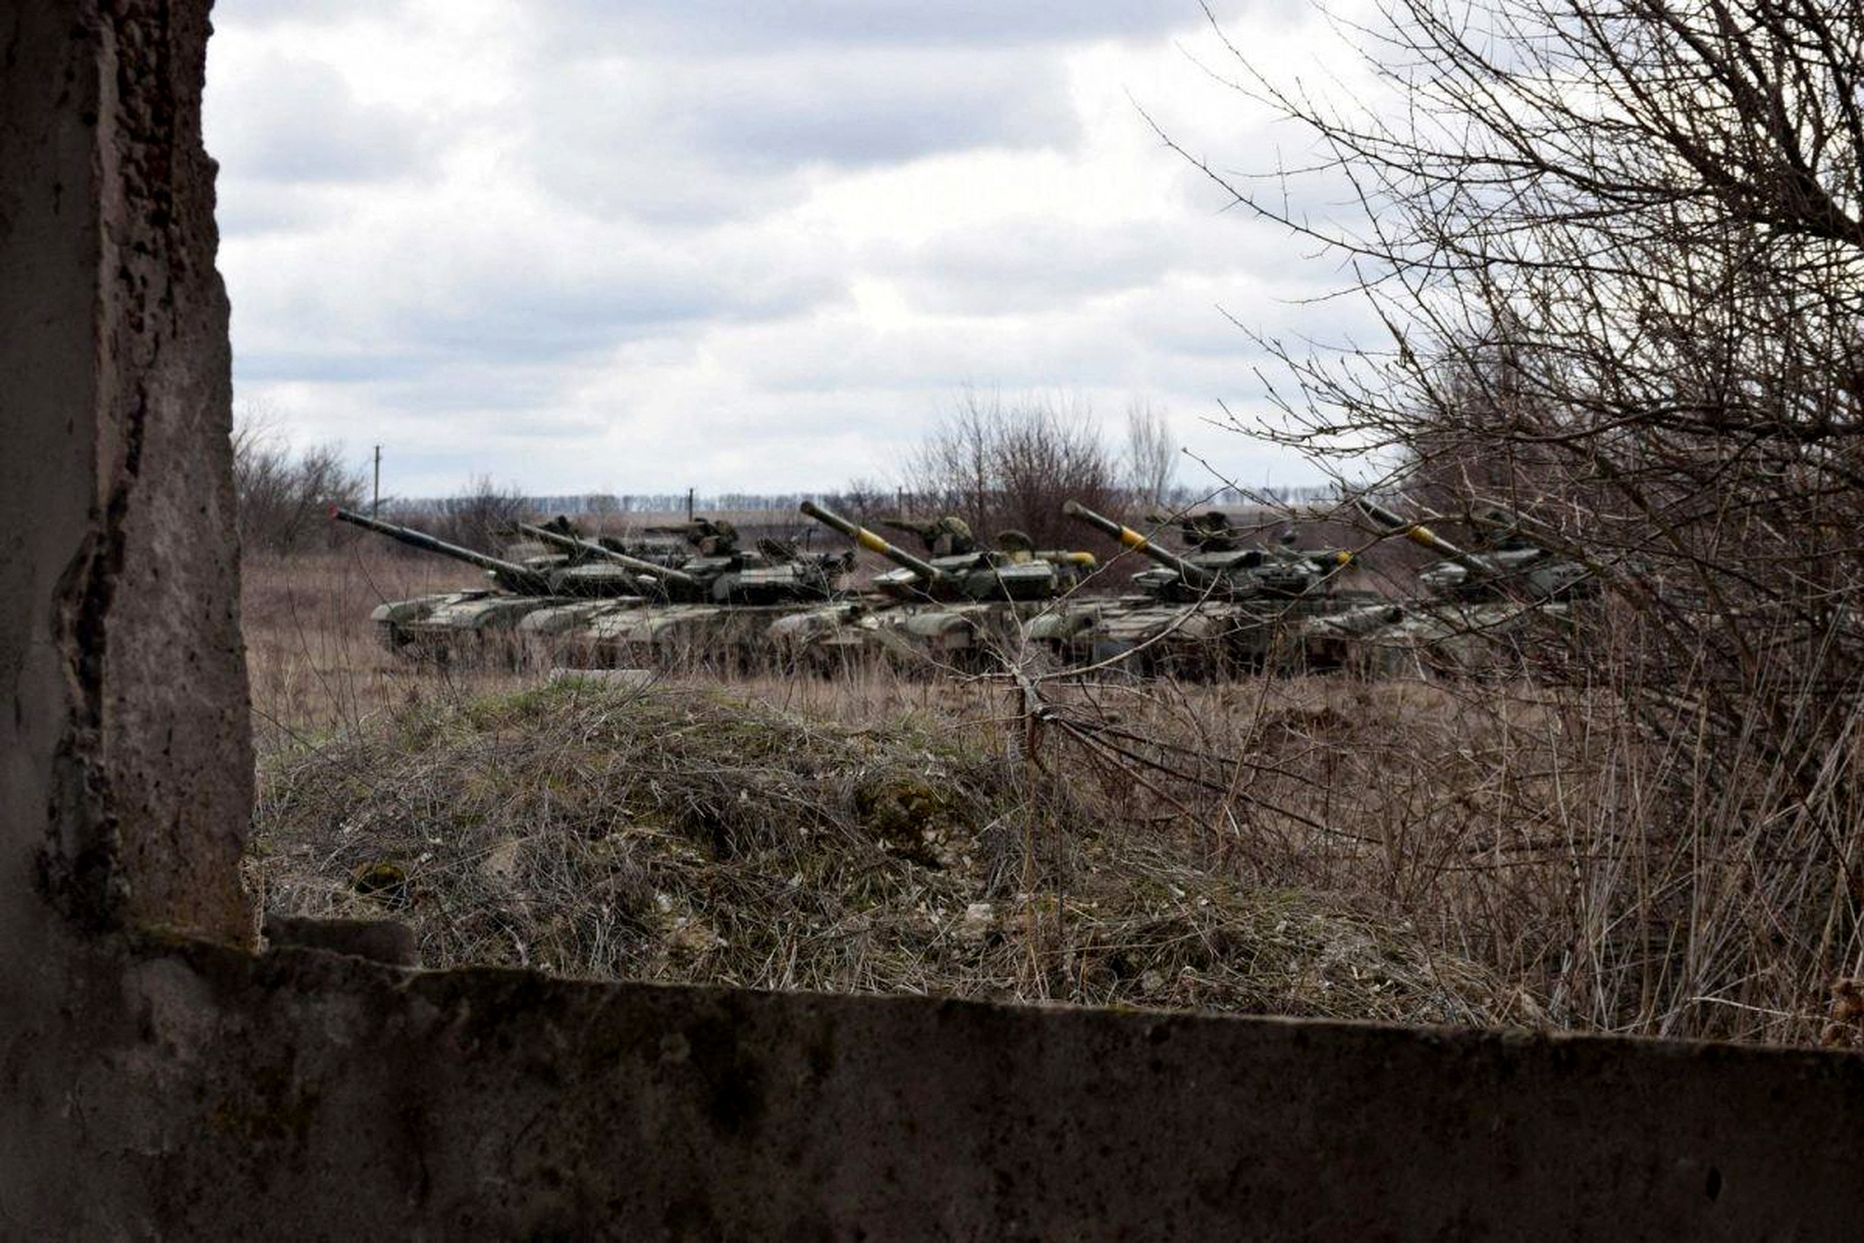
{"x":581,"y":245}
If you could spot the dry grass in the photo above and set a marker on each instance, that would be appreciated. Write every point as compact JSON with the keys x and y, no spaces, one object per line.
{"x":684,"y":833}
{"x":1473,"y":852}
{"x":314,"y":662}
{"x":865,"y":834}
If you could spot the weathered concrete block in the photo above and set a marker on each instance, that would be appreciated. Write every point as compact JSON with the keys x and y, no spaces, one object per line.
{"x":379,"y":940}
{"x":207,"y":1093}
{"x":121,"y":644}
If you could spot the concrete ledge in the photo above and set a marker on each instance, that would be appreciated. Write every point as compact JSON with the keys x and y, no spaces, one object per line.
{"x":310,"y":1094}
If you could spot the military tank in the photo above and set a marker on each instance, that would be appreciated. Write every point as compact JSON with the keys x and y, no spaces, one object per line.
{"x":945,"y":536}
{"x":559,"y":596}
{"x":953,"y":609}
{"x":715,"y":607}
{"x":1218,"y":609}
{"x":444,"y":622}
{"x":1477,"y":611}
{"x":1514,"y":567}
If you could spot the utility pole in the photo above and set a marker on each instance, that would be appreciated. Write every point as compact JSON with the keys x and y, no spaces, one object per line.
{"x":375,"y":498}
{"x":689,"y":504}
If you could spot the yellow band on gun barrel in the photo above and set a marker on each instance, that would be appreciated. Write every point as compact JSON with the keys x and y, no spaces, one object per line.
{"x":872,"y":542}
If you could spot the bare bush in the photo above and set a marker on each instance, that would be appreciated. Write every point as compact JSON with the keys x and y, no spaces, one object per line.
{"x":1150,"y":463}
{"x":1659,"y":205}
{"x":1002,"y":466}
{"x":482,"y":515}
{"x":867,"y":500}
{"x":285,"y":494}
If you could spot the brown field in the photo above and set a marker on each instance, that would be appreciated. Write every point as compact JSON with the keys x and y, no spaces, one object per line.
{"x":1439,"y":851}
{"x":313,"y":659}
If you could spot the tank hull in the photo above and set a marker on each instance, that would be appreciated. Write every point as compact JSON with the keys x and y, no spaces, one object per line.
{"x":926,"y":637}
{"x":509,"y":628}
{"x":1139,"y":635}
{"x":1421,"y":638}
{"x":1213,"y":639}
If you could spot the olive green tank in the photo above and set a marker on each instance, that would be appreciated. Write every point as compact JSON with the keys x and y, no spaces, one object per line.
{"x":715,"y":607}
{"x":1480,"y":611}
{"x":583,"y":602}
{"x":960,"y":608}
{"x":524,"y":582}
{"x":1218,"y":609}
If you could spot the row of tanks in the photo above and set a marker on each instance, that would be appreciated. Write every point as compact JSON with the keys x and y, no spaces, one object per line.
{"x":1218,"y":607}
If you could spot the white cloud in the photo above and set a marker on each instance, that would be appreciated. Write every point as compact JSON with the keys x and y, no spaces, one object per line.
{"x":746,"y":247}
{"x":856,"y":24}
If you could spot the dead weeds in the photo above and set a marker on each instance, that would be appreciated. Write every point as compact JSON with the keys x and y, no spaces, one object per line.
{"x":684,"y":833}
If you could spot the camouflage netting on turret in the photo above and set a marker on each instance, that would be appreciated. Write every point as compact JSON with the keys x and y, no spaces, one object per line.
{"x":681,"y":835}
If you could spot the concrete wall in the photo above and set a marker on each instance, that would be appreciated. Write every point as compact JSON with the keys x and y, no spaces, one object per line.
{"x":120,"y":589}
{"x":203,"y":1093}
{"x":157,"y":1079}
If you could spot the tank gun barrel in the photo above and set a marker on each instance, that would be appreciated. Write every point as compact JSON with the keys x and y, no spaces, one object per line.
{"x":519,"y":576}
{"x":874,"y":543}
{"x":1140,"y":544}
{"x":1418,"y":533}
{"x":577,"y":544}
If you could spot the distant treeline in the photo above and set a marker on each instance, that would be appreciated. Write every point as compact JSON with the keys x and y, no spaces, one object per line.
{"x":605,"y":503}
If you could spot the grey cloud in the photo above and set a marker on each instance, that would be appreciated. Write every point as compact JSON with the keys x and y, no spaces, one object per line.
{"x":296,"y":121}
{"x":421,"y":382}
{"x":249,"y":206}
{"x":653,"y":185}
{"x":1170,"y":336}
{"x":1033,"y":264}
{"x":867,"y":23}
{"x":1289,"y":176}
{"x":510,"y":306}
{"x":771,"y":23}
{"x":331,"y":364}
{"x":602,"y":134}
{"x":881,"y":107}
{"x":627,"y":273}
{"x":540,"y":321}
{"x":480,"y":404}
{"x":331,"y":312}
{"x":256,"y":13}
{"x":940,"y":356}
{"x":711,"y":139}
{"x":424,"y":472}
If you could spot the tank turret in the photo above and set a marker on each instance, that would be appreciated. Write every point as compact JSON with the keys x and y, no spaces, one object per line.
{"x":1226,"y":572}
{"x":1194,"y":575}
{"x":982,"y":575}
{"x":719,"y":573}
{"x":948,"y":536}
{"x":1210,"y":531}
{"x":712,"y":537}
{"x":536,"y":576}
{"x":867,"y":539}
{"x":651,"y":579}
{"x":1517,"y":567}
